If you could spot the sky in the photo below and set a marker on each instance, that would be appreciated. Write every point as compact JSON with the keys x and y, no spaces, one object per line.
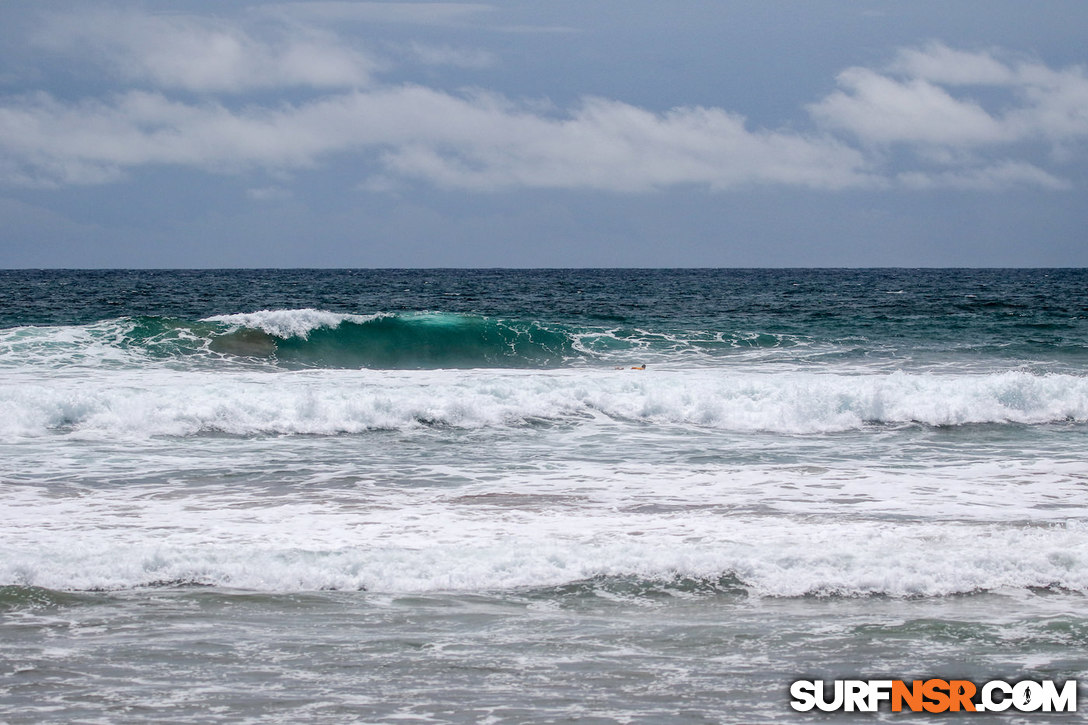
{"x":544,"y":133}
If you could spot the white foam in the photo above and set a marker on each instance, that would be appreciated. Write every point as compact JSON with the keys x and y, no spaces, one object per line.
{"x":570,"y":502}
{"x":409,"y":541}
{"x":147,"y":402}
{"x":289,"y":323}
{"x":78,"y":347}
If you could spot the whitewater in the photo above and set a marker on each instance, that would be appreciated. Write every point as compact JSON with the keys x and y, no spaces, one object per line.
{"x":465,"y":480}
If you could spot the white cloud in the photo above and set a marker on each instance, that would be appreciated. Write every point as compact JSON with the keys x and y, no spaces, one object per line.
{"x":1057,"y":104}
{"x":482,"y":141}
{"x":879,"y":109}
{"x":922,"y":103}
{"x":206,"y":54}
{"x":919,"y":100}
{"x":614,"y":146}
{"x":994,"y":177}
{"x":937,"y":63}
{"x":478,"y":142}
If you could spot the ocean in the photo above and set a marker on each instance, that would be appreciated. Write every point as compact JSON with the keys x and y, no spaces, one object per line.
{"x":457,"y":496}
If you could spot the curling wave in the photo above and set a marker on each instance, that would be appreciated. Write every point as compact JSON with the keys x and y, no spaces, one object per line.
{"x":312,"y":338}
{"x":309,"y":338}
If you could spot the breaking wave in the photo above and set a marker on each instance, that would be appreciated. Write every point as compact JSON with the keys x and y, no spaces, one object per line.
{"x":308,"y":338}
{"x":311,"y":338}
{"x":328,"y":402}
{"x":314,"y":339}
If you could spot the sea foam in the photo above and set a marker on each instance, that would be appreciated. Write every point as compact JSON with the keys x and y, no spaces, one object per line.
{"x":149,"y":402}
{"x":289,"y":323}
{"x":81,"y":545}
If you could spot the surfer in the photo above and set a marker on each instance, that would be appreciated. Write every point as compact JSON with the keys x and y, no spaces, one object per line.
{"x":634,"y":367}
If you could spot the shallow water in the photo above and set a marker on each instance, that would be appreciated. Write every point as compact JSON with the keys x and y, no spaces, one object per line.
{"x":607,"y":650}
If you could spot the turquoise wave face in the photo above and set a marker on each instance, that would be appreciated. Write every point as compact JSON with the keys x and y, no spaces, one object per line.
{"x":308,"y":338}
{"x":424,"y":340}
{"x":317,"y":338}
{"x":305,"y":339}
{"x":429,"y":340}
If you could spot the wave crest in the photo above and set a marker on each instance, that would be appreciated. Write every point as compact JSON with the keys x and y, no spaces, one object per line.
{"x":285,"y":324}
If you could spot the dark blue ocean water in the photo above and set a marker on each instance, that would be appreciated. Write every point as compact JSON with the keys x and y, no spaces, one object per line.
{"x":992,"y":316}
{"x":446,"y":496}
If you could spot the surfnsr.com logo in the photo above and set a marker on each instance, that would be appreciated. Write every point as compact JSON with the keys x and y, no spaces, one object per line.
{"x":934,"y":695}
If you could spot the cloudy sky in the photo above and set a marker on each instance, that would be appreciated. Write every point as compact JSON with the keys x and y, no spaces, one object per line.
{"x":544,"y":133}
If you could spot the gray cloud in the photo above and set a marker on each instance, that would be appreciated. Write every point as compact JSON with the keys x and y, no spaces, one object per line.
{"x":480,"y":141}
{"x":485,"y":142}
